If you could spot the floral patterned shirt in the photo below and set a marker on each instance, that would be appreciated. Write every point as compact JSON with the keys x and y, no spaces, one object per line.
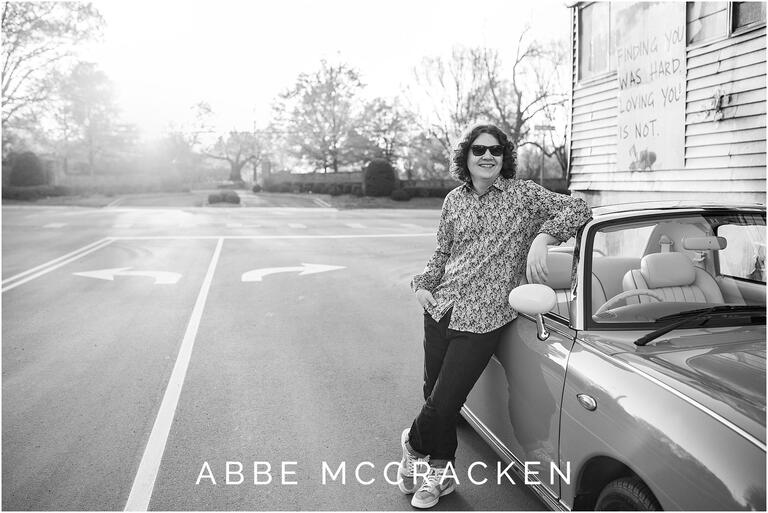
{"x":482,"y":248}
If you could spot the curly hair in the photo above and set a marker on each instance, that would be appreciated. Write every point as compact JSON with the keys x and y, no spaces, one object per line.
{"x":459,"y":167}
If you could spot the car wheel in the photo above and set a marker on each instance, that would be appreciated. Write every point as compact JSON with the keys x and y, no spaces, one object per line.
{"x":627,"y":494}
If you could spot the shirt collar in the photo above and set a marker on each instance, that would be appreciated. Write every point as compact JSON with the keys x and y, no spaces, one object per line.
{"x":501,"y":183}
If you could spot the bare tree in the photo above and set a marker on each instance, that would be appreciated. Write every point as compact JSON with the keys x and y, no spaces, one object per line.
{"x":37,"y":36}
{"x":474,"y":85}
{"x":448,"y":94}
{"x":534,"y":90}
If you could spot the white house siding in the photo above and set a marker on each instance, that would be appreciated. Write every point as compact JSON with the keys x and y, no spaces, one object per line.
{"x":726,"y":150}
{"x":725,"y":157}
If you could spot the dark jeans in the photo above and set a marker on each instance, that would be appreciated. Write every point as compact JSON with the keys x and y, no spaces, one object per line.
{"x":453,"y":362}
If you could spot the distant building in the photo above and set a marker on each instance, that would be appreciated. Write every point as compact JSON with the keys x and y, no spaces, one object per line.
{"x":668,"y":101}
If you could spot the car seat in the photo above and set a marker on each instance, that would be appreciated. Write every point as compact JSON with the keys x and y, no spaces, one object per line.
{"x":674,"y":276}
{"x":559,"y":279}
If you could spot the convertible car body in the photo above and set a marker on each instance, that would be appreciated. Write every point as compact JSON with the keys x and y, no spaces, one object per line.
{"x":638,"y":369}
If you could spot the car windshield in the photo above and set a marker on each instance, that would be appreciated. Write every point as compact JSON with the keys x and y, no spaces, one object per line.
{"x":647,"y":271}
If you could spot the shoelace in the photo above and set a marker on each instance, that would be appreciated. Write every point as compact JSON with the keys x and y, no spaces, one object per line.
{"x":413,"y":461}
{"x":433,"y":478}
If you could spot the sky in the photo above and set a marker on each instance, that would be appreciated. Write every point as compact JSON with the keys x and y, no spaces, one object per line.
{"x":165,"y":56}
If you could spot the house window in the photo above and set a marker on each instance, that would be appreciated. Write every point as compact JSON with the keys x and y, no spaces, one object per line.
{"x":594,"y":40}
{"x":706,"y":20}
{"x":748,"y":14}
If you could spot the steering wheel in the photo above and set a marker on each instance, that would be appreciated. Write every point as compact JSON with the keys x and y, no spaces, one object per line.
{"x":629,"y":293}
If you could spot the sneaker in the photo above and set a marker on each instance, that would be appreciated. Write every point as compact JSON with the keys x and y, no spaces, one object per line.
{"x":432,"y":488}
{"x":405,"y":471}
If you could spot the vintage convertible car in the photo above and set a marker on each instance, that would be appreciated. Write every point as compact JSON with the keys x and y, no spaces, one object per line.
{"x":634,"y":378}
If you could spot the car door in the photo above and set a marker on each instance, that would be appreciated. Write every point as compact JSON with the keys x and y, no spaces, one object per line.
{"x":518,"y":396}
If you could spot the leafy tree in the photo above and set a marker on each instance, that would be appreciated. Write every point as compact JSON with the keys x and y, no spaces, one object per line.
{"x":424,"y":157}
{"x":383,"y":128}
{"x":316,"y":117}
{"x":187,"y":140}
{"x":238,"y":149}
{"x":37,"y":37}
{"x":85,"y":114}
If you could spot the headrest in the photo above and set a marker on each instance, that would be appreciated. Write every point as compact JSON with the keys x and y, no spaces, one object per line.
{"x":667,"y":270}
{"x":559,"y":267}
{"x":705,"y":243}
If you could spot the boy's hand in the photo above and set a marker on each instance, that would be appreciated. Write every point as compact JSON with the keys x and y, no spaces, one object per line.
{"x":425,"y":298}
{"x":536,"y":267}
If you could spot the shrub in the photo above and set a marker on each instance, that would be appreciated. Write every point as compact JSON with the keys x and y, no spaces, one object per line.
{"x":231,"y":197}
{"x":336,"y":190}
{"x":379,"y":178}
{"x":35,"y":192}
{"x":256,"y":188}
{"x":28,"y":170}
{"x":438,"y":192}
{"x":400,"y":195}
{"x":224,"y":197}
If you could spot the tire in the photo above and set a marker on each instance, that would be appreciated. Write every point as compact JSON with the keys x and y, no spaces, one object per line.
{"x":627,"y":494}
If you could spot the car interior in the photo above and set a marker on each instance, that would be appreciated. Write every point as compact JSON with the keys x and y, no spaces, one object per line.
{"x":677,"y":263}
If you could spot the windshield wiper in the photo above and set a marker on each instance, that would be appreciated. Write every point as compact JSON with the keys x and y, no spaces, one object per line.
{"x":697,"y":317}
{"x":715,"y":309}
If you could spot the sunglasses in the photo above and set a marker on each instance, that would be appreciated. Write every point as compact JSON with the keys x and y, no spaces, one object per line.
{"x":478,"y":150}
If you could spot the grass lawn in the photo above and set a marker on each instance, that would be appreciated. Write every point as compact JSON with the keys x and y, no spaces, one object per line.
{"x":94,"y":200}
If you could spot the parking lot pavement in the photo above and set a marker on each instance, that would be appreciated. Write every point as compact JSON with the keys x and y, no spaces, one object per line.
{"x":133,"y":362}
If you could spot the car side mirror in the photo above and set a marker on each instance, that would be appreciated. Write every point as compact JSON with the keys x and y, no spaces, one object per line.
{"x":534,"y":299}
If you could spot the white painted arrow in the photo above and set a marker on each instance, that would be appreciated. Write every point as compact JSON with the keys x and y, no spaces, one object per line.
{"x":161,"y":277}
{"x":258,"y":274}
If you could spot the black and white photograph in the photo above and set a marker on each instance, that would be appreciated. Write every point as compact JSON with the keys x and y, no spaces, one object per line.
{"x":351,"y":255}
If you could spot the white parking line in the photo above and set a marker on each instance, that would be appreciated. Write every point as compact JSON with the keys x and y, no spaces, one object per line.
{"x":49,"y":266}
{"x":268,"y":237}
{"x":234,"y":225}
{"x":144,"y":482}
{"x":298,"y":226}
{"x":55,"y":225}
{"x":355,"y":225}
{"x":122,"y":225}
{"x":322,"y":203}
{"x":410,"y":225}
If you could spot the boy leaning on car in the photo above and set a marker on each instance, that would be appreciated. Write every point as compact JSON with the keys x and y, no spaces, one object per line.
{"x":492,"y":229}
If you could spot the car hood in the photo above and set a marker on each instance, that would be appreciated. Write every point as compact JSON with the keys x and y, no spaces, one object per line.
{"x":722,"y":369}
